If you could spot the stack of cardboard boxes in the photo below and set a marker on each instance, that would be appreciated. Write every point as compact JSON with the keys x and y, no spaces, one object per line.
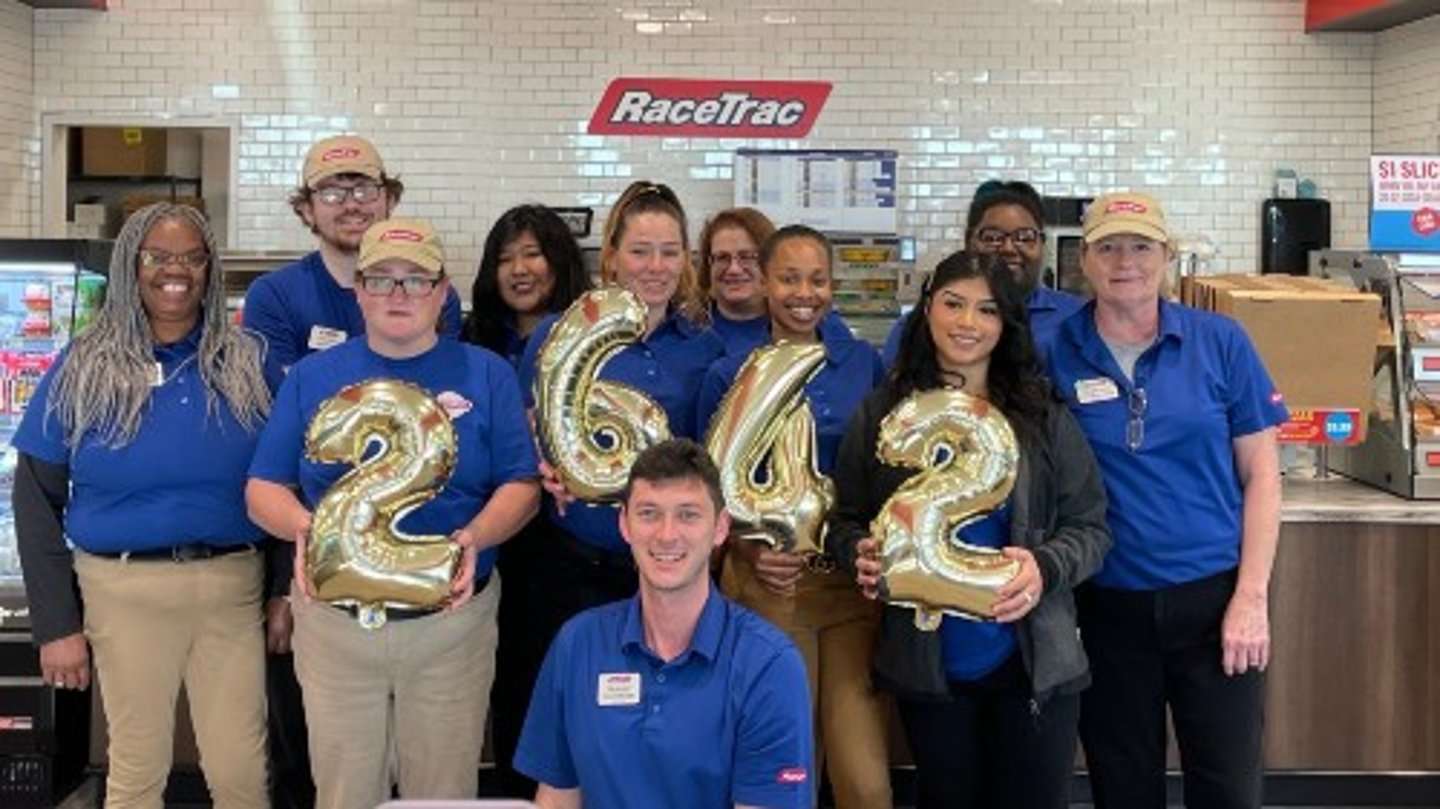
{"x":1318,"y":339}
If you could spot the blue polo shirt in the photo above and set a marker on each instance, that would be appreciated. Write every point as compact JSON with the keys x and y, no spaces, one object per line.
{"x":1046,"y":307}
{"x":743,"y":336}
{"x":852,"y":368}
{"x":483,"y":399}
{"x":668,"y":365}
{"x":740,"y":336}
{"x":180,"y":481}
{"x":1175,"y":500}
{"x":973,"y":649}
{"x":288,"y":304}
{"x":727,"y":722}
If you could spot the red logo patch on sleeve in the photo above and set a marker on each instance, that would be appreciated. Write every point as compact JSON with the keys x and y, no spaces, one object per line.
{"x":792,"y":775}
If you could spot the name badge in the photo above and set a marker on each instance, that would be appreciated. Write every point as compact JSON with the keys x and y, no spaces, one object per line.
{"x":618,"y":688}
{"x":1099,"y":389}
{"x":323,"y":337}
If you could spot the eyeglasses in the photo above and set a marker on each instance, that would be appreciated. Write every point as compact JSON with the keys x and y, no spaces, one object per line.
{"x":1135,"y":427}
{"x":745,"y":258}
{"x":155,"y":259}
{"x":994,"y":238}
{"x":363,"y":193}
{"x":414,"y":286}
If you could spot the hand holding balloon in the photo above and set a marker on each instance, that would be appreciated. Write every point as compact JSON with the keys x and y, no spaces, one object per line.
{"x":590,"y":430}
{"x":1017,"y":597}
{"x":966,"y":455}
{"x":868,"y":568}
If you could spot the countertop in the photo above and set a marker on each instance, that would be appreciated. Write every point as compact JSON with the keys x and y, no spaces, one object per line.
{"x":1339,"y":500}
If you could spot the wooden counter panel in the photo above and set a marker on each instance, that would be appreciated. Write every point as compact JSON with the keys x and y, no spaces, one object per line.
{"x":1355,"y":674}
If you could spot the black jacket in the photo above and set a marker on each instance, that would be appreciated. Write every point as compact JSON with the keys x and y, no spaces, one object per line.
{"x":1057,"y":511}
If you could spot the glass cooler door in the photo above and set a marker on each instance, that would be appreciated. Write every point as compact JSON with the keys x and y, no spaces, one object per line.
{"x":42,"y":303}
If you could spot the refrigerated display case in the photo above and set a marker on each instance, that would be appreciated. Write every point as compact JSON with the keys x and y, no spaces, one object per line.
{"x":49,"y":291}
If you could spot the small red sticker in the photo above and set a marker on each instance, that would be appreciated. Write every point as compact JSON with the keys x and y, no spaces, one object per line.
{"x":793,"y":775}
{"x":1425,"y":221}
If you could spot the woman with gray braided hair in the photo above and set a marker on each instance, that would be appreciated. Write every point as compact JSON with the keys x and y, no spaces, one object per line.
{"x":131,"y":479}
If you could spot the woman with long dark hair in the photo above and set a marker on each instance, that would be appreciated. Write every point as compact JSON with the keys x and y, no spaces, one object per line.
{"x":531,"y":267}
{"x":990,"y":708}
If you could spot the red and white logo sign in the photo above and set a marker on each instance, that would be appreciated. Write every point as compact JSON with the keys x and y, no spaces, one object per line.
{"x":455,"y":405}
{"x":339,"y":153}
{"x":1125,"y":206}
{"x":792,"y":775}
{"x":709,"y":108}
{"x":402,"y":235}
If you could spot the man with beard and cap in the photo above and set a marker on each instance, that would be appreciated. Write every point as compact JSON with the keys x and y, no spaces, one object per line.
{"x":302,"y":308}
{"x":1006,"y":219}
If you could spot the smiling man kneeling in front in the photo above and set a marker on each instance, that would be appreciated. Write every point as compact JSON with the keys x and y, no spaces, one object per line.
{"x":676,"y":697}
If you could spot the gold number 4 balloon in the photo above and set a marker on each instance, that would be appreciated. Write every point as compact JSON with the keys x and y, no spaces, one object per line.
{"x":763,"y":439}
{"x":356,"y":555}
{"x":967,"y":455}
{"x":590,"y":430}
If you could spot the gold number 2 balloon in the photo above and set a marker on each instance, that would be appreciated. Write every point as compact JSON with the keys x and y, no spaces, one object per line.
{"x":763,"y":439}
{"x":967,"y":455}
{"x":356,"y":555}
{"x":590,"y":430}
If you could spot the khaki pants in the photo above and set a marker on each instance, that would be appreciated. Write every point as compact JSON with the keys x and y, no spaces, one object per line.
{"x":401,"y":704}
{"x":153,"y":625}
{"x":834,"y":627}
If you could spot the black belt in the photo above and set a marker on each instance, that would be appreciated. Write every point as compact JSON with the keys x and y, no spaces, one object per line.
{"x":193,"y":552}
{"x":407,"y":613}
{"x":590,"y":553}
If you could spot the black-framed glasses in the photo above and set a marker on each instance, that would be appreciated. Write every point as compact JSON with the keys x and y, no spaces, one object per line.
{"x":748,"y":259}
{"x":995,"y":238}
{"x":1135,"y":426}
{"x":151,"y":259}
{"x":414,"y":286}
{"x":362,"y":193}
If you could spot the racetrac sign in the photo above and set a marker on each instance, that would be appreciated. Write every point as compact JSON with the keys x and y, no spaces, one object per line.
{"x":709,"y":108}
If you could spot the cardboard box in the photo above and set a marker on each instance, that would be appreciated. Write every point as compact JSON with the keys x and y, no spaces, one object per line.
{"x":1317,"y":337}
{"x":90,"y":214}
{"x":122,"y":152}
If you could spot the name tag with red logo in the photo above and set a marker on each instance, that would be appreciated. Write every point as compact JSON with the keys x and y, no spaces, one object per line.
{"x":618,"y":689}
{"x":322,"y":337}
{"x":1099,"y":389}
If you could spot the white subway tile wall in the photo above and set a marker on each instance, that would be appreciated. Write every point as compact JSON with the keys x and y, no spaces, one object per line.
{"x":19,"y":147}
{"x":482,"y":105}
{"x":1407,"y":88}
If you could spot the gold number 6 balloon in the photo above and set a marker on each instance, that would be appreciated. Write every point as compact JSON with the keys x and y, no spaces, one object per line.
{"x":763,"y":439}
{"x":967,"y":455}
{"x":590,"y":430}
{"x":356,"y":555}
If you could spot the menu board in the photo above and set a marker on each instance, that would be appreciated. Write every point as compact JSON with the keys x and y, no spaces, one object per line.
{"x":832,"y":190}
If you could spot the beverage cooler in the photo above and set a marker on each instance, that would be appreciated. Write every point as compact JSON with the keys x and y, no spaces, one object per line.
{"x":49,"y":290}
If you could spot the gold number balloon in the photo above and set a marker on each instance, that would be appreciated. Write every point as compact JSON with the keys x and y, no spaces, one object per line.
{"x":763,"y":439}
{"x":590,"y":430}
{"x":356,"y":555}
{"x":967,"y":455}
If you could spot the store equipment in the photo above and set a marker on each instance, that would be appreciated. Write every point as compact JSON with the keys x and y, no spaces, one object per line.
{"x":1289,"y":230}
{"x":49,"y":290}
{"x":1401,"y":452}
